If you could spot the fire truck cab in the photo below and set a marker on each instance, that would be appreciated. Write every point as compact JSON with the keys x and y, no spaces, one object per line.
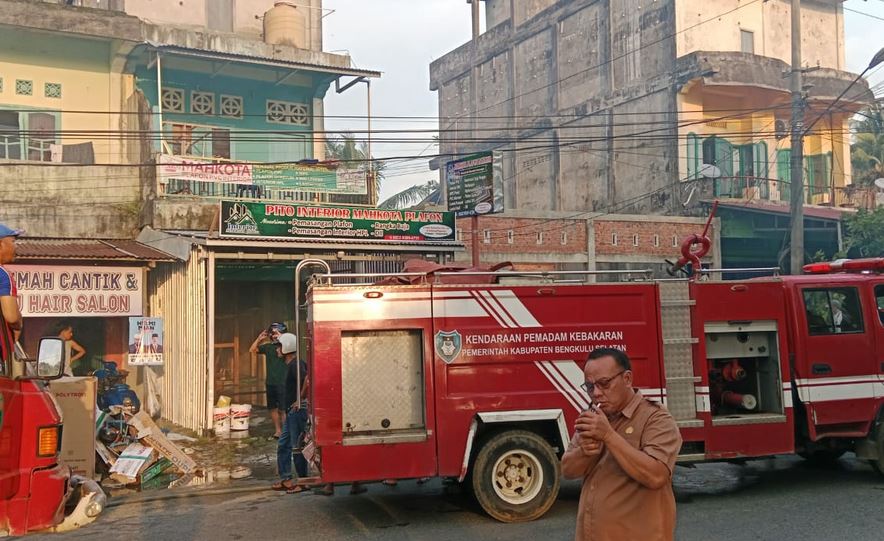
{"x":476,"y":376}
{"x":34,"y":484}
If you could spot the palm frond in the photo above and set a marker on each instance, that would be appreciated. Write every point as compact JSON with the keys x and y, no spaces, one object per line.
{"x":409,"y":196}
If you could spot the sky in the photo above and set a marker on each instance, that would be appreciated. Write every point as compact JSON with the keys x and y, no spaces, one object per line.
{"x":400,"y":38}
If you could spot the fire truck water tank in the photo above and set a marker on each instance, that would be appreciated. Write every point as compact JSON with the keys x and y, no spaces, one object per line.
{"x":285,"y":24}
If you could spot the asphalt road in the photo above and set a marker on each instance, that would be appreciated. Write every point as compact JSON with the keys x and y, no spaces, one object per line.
{"x":780,"y":500}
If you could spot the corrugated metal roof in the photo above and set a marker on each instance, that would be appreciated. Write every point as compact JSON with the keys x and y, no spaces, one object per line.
{"x":92,"y":249}
{"x":823,"y":213}
{"x":335,"y":244}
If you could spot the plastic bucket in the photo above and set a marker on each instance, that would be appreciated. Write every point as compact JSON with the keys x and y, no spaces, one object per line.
{"x":221,"y":419}
{"x":239,"y":416}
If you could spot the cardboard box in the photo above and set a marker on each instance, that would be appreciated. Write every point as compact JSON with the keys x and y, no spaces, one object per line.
{"x":76,"y":396}
{"x":135,"y":459}
{"x":150,"y":434}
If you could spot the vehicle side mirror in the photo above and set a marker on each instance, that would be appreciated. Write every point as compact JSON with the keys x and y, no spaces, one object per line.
{"x":51,"y":358}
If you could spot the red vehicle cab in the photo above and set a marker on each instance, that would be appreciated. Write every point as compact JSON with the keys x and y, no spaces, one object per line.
{"x":34,"y":484}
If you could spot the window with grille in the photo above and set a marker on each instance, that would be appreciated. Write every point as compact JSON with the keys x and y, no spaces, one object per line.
{"x":510,"y":236}
{"x":52,"y":90}
{"x":657,"y":240}
{"x":231,"y":106}
{"x":24,"y":88}
{"x":285,"y":112}
{"x":202,"y":103}
{"x":188,"y":140}
{"x":27,"y":136}
{"x":486,"y":236}
{"x":173,"y":100}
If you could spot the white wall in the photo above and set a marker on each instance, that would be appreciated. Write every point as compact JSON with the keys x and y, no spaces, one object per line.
{"x":822,"y":28}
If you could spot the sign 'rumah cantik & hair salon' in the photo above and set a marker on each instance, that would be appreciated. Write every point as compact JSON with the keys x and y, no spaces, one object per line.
{"x":51,"y":291}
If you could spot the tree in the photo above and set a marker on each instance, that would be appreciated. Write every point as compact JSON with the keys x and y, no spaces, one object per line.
{"x":345,"y":148}
{"x":864,"y":233}
{"x":410,"y":196}
{"x":867,"y":150}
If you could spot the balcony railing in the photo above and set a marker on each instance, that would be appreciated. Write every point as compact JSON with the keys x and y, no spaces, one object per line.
{"x":112,"y":5}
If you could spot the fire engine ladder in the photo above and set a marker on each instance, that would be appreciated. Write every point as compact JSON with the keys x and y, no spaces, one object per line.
{"x":675,"y":312}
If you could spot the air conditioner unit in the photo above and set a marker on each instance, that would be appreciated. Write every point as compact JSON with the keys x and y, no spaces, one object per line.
{"x":781,"y":128}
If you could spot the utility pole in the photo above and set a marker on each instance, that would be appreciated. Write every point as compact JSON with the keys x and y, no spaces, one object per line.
{"x":797,"y":162}
{"x":474,"y":220}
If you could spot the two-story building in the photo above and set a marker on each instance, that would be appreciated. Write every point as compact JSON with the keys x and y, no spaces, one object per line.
{"x":122,"y":127}
{"x":600,"y":106}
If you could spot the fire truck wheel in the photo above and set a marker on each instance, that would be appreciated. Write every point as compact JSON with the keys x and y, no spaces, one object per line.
{"x":515,"y":476}
{"x":822,"y":457}
{"x":879,"y":441}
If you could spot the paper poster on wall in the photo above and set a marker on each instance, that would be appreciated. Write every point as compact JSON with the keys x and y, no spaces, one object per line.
{"x":145,"y":341}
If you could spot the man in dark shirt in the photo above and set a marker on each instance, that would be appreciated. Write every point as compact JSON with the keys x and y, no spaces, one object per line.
{"x":295,"y":404}
{"x":265,"y":344}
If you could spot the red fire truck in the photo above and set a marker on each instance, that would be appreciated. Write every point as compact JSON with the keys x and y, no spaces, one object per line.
{"x":35,"y":486}
{"x":479,"y":380}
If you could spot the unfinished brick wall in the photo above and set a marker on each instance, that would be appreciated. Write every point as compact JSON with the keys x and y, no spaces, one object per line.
{"x":523,"y":235}
{"x":657,"y":239}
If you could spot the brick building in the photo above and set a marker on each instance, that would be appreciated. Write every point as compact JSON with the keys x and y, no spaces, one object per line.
{"x":565,"y":241}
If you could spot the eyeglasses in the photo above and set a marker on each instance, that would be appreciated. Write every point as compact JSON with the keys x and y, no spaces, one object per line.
{"x":603,"y":384}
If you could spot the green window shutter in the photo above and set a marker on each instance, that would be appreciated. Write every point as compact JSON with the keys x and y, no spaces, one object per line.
{"x":692,"y":153}
{"x":784,"y":174}
{"x":761,"y":170}
{"x":724,"y":157}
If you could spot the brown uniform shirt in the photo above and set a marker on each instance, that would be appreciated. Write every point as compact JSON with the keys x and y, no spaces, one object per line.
{"x":613,"y":506}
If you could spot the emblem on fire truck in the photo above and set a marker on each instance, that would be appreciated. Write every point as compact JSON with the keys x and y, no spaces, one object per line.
{"x":448,"y":345}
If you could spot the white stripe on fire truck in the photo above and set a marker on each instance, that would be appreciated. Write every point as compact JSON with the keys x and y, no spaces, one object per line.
{"x":574,"y":377}
{"x":496,"y":307}
{"x":488,"y":310}
{"x":515,"y":308}
{"x":541,"y":365}
{"x":848,"y":391}
{"x":837,"y":381}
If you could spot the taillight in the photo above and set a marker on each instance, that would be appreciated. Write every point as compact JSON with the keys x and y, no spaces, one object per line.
{"x":47,"y":441}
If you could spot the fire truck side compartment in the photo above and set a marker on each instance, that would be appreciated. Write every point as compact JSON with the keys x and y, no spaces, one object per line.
{"x":753,"y":345}
{"x":382,"y":386}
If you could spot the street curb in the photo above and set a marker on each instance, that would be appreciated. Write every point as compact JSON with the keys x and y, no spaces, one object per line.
{"x":192,"y":493}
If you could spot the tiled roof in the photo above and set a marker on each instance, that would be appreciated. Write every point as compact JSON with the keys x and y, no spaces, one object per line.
{"x":94,"y":249}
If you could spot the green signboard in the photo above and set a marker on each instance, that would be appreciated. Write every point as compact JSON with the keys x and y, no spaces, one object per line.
{"x":293,"y":221}
{"x":475,"y":185}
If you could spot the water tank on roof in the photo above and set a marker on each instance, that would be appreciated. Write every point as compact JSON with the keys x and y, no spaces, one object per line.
{"x":285,"y":24}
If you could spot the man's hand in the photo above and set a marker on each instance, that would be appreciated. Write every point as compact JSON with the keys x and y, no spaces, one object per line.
{"x":594,"y":425}
{"x":262,"y":336}
{"x":590,"y":446}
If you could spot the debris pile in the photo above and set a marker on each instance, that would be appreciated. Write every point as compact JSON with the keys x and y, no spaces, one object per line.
{"x":136,"y":454}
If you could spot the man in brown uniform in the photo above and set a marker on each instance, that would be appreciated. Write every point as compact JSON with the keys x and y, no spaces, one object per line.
{"x":624,"y":449}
